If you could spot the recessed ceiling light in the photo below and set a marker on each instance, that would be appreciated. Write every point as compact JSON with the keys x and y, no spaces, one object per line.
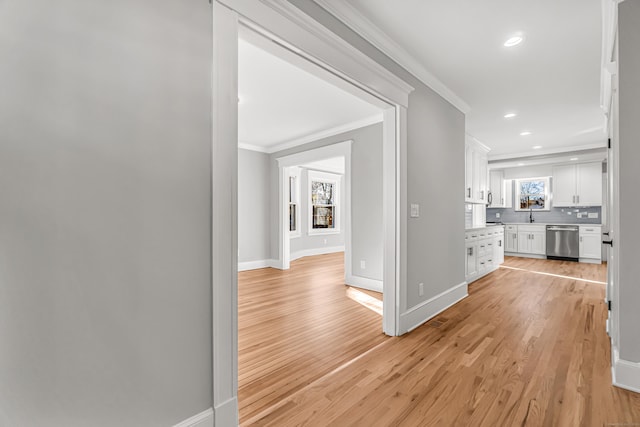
{"x":573,"y":159}
{"x":537,"y":147}
{"x":520,"y":164}
{"x":513,"y":41}
{"x":510,"y":115}
{"x":525,"y":133}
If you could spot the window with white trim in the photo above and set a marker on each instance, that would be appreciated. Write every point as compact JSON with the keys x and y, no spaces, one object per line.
{"x":324,"y":194}
{"x":294,"y":203}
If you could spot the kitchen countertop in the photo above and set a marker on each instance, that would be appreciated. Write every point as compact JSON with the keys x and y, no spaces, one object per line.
{"x":528,"y":223}
{"x":552,"y":223}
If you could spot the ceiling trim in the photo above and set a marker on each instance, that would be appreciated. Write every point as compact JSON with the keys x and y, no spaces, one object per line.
{"x":313,"y":136}
{"x":374,"y":35}
{"x":558,"y":150}
{"x":252,"y":147}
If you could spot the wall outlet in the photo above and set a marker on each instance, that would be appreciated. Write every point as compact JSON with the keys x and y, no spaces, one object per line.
{"x":324,"y":241}
{"x":363,"y":264}
{"x":579,"y":214}
{"x":497,"y":214}
{"x":592,"y":215}
{"x":420,"y":289}
{"x":415,"y":210}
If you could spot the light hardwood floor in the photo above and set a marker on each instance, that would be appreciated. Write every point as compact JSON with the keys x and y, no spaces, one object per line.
{"x":296,"y":326}
{"x":524,"y":348}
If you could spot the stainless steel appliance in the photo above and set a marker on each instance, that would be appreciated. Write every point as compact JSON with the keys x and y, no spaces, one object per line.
{"x":563,"y":242}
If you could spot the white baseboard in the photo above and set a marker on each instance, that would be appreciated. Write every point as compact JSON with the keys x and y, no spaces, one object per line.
{"x":203,"y":419}
{"x":518,"y":254}
{"x":625,"y":374}
{"x":254,"y":265}
{"x":316,"y":251}
{"x":364,"y":283}
{"x":226,"y":414}
{"x":590,"y":260}
{"x":432,"y":307}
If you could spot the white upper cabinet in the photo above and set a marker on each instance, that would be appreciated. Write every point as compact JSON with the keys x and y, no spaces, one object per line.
{"x":476,"y":163}
{"x":589,"y":184}
{"x":577,"y":185}
{"x":564,"y":185}
{"x":501,"y":190}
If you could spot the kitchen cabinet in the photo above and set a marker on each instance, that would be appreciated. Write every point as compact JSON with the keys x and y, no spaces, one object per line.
{"x":511,"y":238}
{"x":484,"y":251}
{"x":471,"y":260}
{"x":508,"y":193}
{"x":577,"y":185}
{"x":476,"y":164}
{"x":496,"y":189}
{"x":590,"y":244}
{"x":532,"y":239}
{"x":501,"y":190}
{"x":498,"y":247}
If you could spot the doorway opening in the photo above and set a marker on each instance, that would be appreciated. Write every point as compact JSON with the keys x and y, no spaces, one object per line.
{"x":310,"y":288}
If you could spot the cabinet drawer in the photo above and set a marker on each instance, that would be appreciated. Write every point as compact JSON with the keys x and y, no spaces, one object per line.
{"x":590,"y":230}
{"x":512,"y":228}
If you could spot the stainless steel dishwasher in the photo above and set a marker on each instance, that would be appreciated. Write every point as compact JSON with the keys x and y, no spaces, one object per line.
{"x":563,"y":242}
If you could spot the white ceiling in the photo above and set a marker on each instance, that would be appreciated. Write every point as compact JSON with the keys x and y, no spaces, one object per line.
{"x":283,"y":105}
{"x":551,"y":80}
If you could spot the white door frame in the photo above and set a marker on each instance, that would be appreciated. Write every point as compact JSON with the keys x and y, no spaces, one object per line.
{"x":341,"y":149}
{"x":287,"y":25}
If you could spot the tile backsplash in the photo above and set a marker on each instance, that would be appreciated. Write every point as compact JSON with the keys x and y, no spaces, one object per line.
{"x":553,"y":216}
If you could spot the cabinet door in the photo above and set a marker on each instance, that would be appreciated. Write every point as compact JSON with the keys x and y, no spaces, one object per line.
{"x":589,"y":184}
{"x":538,"y":242}
{"x":468,"y":164}
{"x":471,"y":265}
{"x":498,"y":248}
{"x":590,"y":246}
{"x":524,"y":242}
{"x":482,"y":165}
{"x":564,"y":186}
{"x":508,"y":193}
{"x":496,"y":187}
{"x":511,"y":242}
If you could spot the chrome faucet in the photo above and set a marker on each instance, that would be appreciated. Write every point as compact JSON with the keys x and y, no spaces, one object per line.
{"x":531,"y":215}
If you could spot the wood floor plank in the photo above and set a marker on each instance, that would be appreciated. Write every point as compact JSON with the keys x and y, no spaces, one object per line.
{"x":525,"y":349}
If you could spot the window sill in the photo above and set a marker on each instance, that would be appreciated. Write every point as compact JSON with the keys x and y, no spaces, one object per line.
{"x":322,"y":232}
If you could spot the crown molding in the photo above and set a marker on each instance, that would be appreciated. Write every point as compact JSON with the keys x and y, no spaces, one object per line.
{"x":552,"y":151}
{"x":374,"y":35}
{"x":313,"y":136}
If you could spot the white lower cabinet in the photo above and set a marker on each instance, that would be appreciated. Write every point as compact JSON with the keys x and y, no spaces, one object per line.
{"x":590,"y":244}
{"x":511,"y":238}
{"x":532,"y":239}
{"x":484,"y":252}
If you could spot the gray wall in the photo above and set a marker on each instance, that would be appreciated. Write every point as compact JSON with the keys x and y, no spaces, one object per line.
{"x":629,"y":291}
{"x":366,"y":205}
{"x":304,"y":241}
{"x":105,"y":259}
{"x":435,"y":172}
{"x":254,"y":206}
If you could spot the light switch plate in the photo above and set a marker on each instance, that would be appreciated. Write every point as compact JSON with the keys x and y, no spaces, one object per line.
{"x":415,"y":210}
{"x":592,"y":215}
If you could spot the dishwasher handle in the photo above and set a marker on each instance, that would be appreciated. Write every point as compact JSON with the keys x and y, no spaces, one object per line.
{"x":561,"y":229}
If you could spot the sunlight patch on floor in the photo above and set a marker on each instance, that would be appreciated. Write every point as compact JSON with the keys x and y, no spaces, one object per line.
{"x":554,"y":275}
{"x":364,"y":299}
